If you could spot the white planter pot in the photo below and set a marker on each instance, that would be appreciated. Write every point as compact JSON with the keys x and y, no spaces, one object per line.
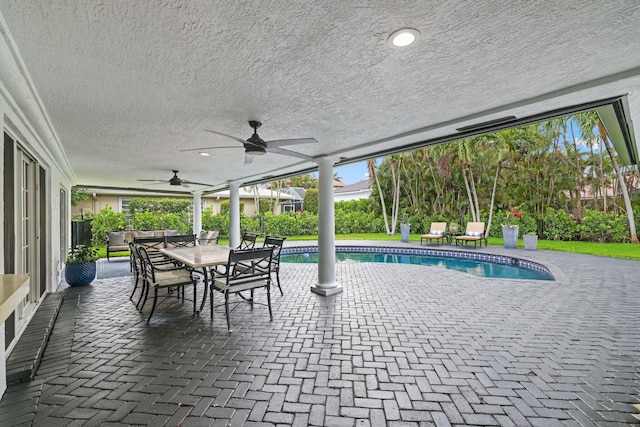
{"x":510,"y":237}
{"x":530,"y":242}
{"x":404,"y":232}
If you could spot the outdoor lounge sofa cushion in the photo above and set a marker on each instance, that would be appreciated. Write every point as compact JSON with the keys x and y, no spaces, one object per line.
{"x":116,"y":242}
{"x":116,"y":239}
{"x":209,"y":237}
{"x":149,"y":233}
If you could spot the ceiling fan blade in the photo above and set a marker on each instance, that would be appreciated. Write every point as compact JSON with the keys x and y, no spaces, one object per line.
{"x":159,"y":181}
{"x":155,"y":183}
{"x":287,"y":142}
{"x":289,"y":153}
{"x":196,"y":183}
{"x":235,"y":138}
{"x":210,"y":148}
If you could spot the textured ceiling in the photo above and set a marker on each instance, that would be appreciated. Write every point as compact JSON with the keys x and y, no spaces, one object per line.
{"x":127,"y":84}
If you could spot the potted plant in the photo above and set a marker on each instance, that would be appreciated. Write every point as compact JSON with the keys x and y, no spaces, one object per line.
{"x":405,"y":228}
{"x":510,"y":228}
{"x":81,"y":265}
{"x":530,"y":241}
{"x":454,"y":227}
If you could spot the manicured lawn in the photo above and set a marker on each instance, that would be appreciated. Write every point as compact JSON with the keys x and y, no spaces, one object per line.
{"x":614,"y":250}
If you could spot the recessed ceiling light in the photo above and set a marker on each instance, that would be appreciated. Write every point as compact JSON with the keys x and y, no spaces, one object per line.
{"x":403,"y":37}
{"x":205,"y":154}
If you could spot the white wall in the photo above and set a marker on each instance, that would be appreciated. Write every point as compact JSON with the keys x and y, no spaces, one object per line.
{"x":26,"y":120}
{"x":352,"y":195}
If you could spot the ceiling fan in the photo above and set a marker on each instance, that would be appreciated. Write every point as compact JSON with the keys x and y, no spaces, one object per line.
{"x":256,"y":146}
{"x":175,"y":180}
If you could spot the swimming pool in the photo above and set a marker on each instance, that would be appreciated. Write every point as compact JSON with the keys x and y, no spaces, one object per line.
{"x":478,"y":264}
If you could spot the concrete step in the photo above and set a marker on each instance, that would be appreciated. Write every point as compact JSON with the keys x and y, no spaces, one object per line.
{"x":24,"y":360}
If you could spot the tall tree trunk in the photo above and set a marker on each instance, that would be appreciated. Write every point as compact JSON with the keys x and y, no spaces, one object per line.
{"x":466,"y":184}
{"x":623,"y":185}
{"x":493,"y":198}
{"x":474,"y":193}
{"x":395,"y":207}
{"x":371,"y":165}
{"x":578,"y":176}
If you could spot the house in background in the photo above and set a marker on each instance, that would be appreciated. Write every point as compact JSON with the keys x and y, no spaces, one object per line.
{"x":357,"y":191}
{"x":296,"y":202}
{"x":119,"y":199}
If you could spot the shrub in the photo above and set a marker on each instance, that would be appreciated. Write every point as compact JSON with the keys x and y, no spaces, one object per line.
{"x":106,"y":220}
{"x":286,"y":224}
{"x":146,"y":221}
{"x":160,"y":206}
{"x":212,"y":222}
{"x":558,"y":225}
{"x":250,"y":224}
{"x":173,"y":221}
{"x":597,"y":226}
{"x":310,"y":201}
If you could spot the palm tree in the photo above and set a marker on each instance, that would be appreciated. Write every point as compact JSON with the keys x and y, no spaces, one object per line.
{"x":588,"y":122}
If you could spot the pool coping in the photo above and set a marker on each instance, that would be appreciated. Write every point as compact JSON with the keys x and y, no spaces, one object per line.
{"x":422,"y":251}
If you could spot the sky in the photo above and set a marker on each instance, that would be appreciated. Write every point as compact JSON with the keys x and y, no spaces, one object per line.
{"x":350,"y":174}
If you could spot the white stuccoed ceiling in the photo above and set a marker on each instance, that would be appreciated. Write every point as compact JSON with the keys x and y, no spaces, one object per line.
{"x":128,"y":83}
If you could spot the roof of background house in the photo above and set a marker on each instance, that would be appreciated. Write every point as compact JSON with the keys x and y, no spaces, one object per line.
{"x":365,"y":184}
{"x":296,"y":192}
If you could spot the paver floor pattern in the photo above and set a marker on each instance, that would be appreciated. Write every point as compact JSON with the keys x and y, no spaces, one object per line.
{"x":403,"y":345}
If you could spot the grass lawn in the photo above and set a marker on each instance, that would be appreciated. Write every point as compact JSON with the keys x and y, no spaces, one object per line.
{"x":614,"y":250}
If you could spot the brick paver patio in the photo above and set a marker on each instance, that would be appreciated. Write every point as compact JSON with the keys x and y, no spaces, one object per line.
{"x":403,"y":345}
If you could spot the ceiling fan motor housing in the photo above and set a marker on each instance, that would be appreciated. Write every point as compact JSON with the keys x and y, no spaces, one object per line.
{"x":256,"y":146}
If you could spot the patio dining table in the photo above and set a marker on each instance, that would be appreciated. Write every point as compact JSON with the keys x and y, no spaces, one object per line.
{"x":202,"y":258}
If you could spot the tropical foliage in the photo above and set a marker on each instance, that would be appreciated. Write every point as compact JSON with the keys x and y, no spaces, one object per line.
{"x":564,"y":165}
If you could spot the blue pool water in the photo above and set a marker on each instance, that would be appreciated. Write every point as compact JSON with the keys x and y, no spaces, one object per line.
{"x":501,"y":267}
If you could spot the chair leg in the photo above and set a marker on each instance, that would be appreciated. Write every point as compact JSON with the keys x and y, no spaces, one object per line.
{"x":278,"y":280}
{"x":155,"y":301}
{"x":135,"y":286}
{"x":211,"y":300}
{"x":269,"y":301}
{"x":226,"y":310}
{"x":145,"y":292}
{"x":194,"y":296}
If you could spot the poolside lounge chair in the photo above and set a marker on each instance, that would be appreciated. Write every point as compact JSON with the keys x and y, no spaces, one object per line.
{"x":436,"y":232}
{"x":474,"y":233}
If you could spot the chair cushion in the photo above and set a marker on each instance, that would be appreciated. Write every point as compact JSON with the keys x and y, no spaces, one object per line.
{"x":116,"y":238}
{"x":173,"y":277}
{"x":474,"y":233}
{"x":171,"y":232}
{"x":436,"y":232}
{"x":221,"y":285}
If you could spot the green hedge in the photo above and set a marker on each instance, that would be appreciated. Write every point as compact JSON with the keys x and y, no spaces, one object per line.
{"x":359,"y":217}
